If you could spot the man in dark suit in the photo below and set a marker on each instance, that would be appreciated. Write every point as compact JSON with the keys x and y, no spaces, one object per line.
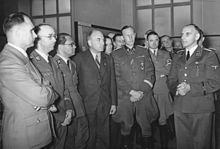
{"x":97,"y":87}
{"x":44,"y":43}
{"x":193,"y":78}
{"x":25,"y":95}
{"x":135,"y":78}
{"x":78,"y":132}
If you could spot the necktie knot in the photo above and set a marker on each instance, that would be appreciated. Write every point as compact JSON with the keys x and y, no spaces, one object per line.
{"x":187,"y":55}
{"x":68,"y":64}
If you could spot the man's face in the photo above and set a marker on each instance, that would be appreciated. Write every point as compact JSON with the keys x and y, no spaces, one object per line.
{"x":153,"y":41}
{"x":189,"y":36}
{"x":27,"y":33}
{"x":47,"y":38}
{"x":69,"y":47}
{"x":96,"y":41}
{"x":129,"y":36}
{"x":108,"y":46}
{"x":166,"y":42}
{"x":119,"y":42}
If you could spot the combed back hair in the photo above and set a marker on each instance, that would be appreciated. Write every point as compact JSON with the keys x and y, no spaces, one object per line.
{"x":152,"y":33}
{"x":13,"y":19}
{"x":126,"y":27}
{"x":165,"y":36}
{"x":115,"y":36}
{"x":61,"y":39}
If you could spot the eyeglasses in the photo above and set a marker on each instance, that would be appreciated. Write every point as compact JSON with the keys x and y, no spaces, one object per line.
{"x":51,"y":36}
{"x":70,"y":44}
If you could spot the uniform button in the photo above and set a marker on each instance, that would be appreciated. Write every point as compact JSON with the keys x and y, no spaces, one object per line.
{"x":185,"y":74}
{"x":185,"y":67}
{"x":38,"y":121}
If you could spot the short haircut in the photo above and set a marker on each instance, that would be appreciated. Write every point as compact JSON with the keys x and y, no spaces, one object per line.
{"x":61,"y":39}
{"x":152,"y":33}
{"x":126,"y":27}
{"x":165,"y":36}
{"x":13,"y":19}
{"x":91,"y":32}
{"x":115,"y":36}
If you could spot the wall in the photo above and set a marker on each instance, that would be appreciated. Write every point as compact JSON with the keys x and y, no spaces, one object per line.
{"x":105,"y":13}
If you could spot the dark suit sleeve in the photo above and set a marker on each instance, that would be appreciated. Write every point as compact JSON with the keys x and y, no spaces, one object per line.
{"x":150,"y":73}
{"x":113,"y":83}
{"x":172,"y":80}
{"x":212,"y":80}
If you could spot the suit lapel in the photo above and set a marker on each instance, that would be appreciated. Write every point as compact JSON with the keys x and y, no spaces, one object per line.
{"x":91,"y":62}
{"x":103,"y":65}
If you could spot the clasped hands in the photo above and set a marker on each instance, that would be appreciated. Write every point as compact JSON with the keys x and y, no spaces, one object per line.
{"x":182,"y":89}
{"x":136,"y":95}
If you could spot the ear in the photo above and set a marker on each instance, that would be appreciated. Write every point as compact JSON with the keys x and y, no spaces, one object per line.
{"x":197,"y":36}
{"x":89,"y":43}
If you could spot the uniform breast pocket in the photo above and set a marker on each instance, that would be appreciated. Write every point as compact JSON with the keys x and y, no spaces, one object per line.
{"x":197,"y":70}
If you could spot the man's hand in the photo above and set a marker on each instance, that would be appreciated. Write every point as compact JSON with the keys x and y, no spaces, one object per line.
{"x":68,"y":118}
{"x":182,"y":89}
{"x":137,"y":94}
{"x":113,"y":110}
{"x":52,"y":108}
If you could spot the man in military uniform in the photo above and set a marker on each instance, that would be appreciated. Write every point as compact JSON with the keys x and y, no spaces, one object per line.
{"x":193,"y":78}
{"x":44,"y":43}
{"x":135,"y":78}
{"x":162,"y":62}
{"x":78,"y":133}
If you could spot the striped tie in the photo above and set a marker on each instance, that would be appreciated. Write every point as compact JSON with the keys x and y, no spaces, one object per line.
{"x":97,"y":61}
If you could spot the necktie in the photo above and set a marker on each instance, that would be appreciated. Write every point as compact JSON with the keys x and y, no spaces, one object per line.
{"x":97,"y":61}
{"x":68,"y":64}
{"x":187,"y":55}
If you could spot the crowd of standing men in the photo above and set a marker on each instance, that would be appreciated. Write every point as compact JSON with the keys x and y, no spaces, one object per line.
{"x":55,"y":102}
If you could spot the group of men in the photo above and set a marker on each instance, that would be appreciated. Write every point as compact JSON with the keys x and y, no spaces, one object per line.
{"x":56,"y":102}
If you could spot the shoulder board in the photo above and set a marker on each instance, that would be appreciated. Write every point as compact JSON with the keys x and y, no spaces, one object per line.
{"x":206,"y":49}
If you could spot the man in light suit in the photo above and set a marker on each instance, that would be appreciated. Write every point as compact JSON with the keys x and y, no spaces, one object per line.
{"x":25,"y":95}
{"x":44,"y":43}
{"x":97,"y":87}
{"x":135,"y":78}
{"x":193,"y":78}
{"x":162,"y":62}
{"x":78,"y":133}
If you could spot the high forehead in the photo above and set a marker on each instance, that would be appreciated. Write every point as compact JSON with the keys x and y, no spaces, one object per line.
{"x":46,"y":29}
{"x":108,"y":40}
{"x":153,"y":36}
{"x":165,"y":38}
{"x":128,"y":30}
{"x":96,"y":34}
{"x":189,"y":28}
{"x":68,"y":39}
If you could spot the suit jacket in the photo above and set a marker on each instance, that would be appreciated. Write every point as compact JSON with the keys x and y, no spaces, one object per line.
{"x":162,"y":63}
{"x":201,"y":72}
{"x":96,"y":85}
{"x":54,"y":75}
{"x":71,"y":81}
{"x":21,"y":89}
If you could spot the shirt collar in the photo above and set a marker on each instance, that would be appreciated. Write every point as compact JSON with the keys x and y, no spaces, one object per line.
{"x":94,"y":54}
{"x":45,"y":56}
{"x":18,"y":48}
{"x":63,"y":58}
{"x":154,"y":51}
{"x":191,"y":51}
